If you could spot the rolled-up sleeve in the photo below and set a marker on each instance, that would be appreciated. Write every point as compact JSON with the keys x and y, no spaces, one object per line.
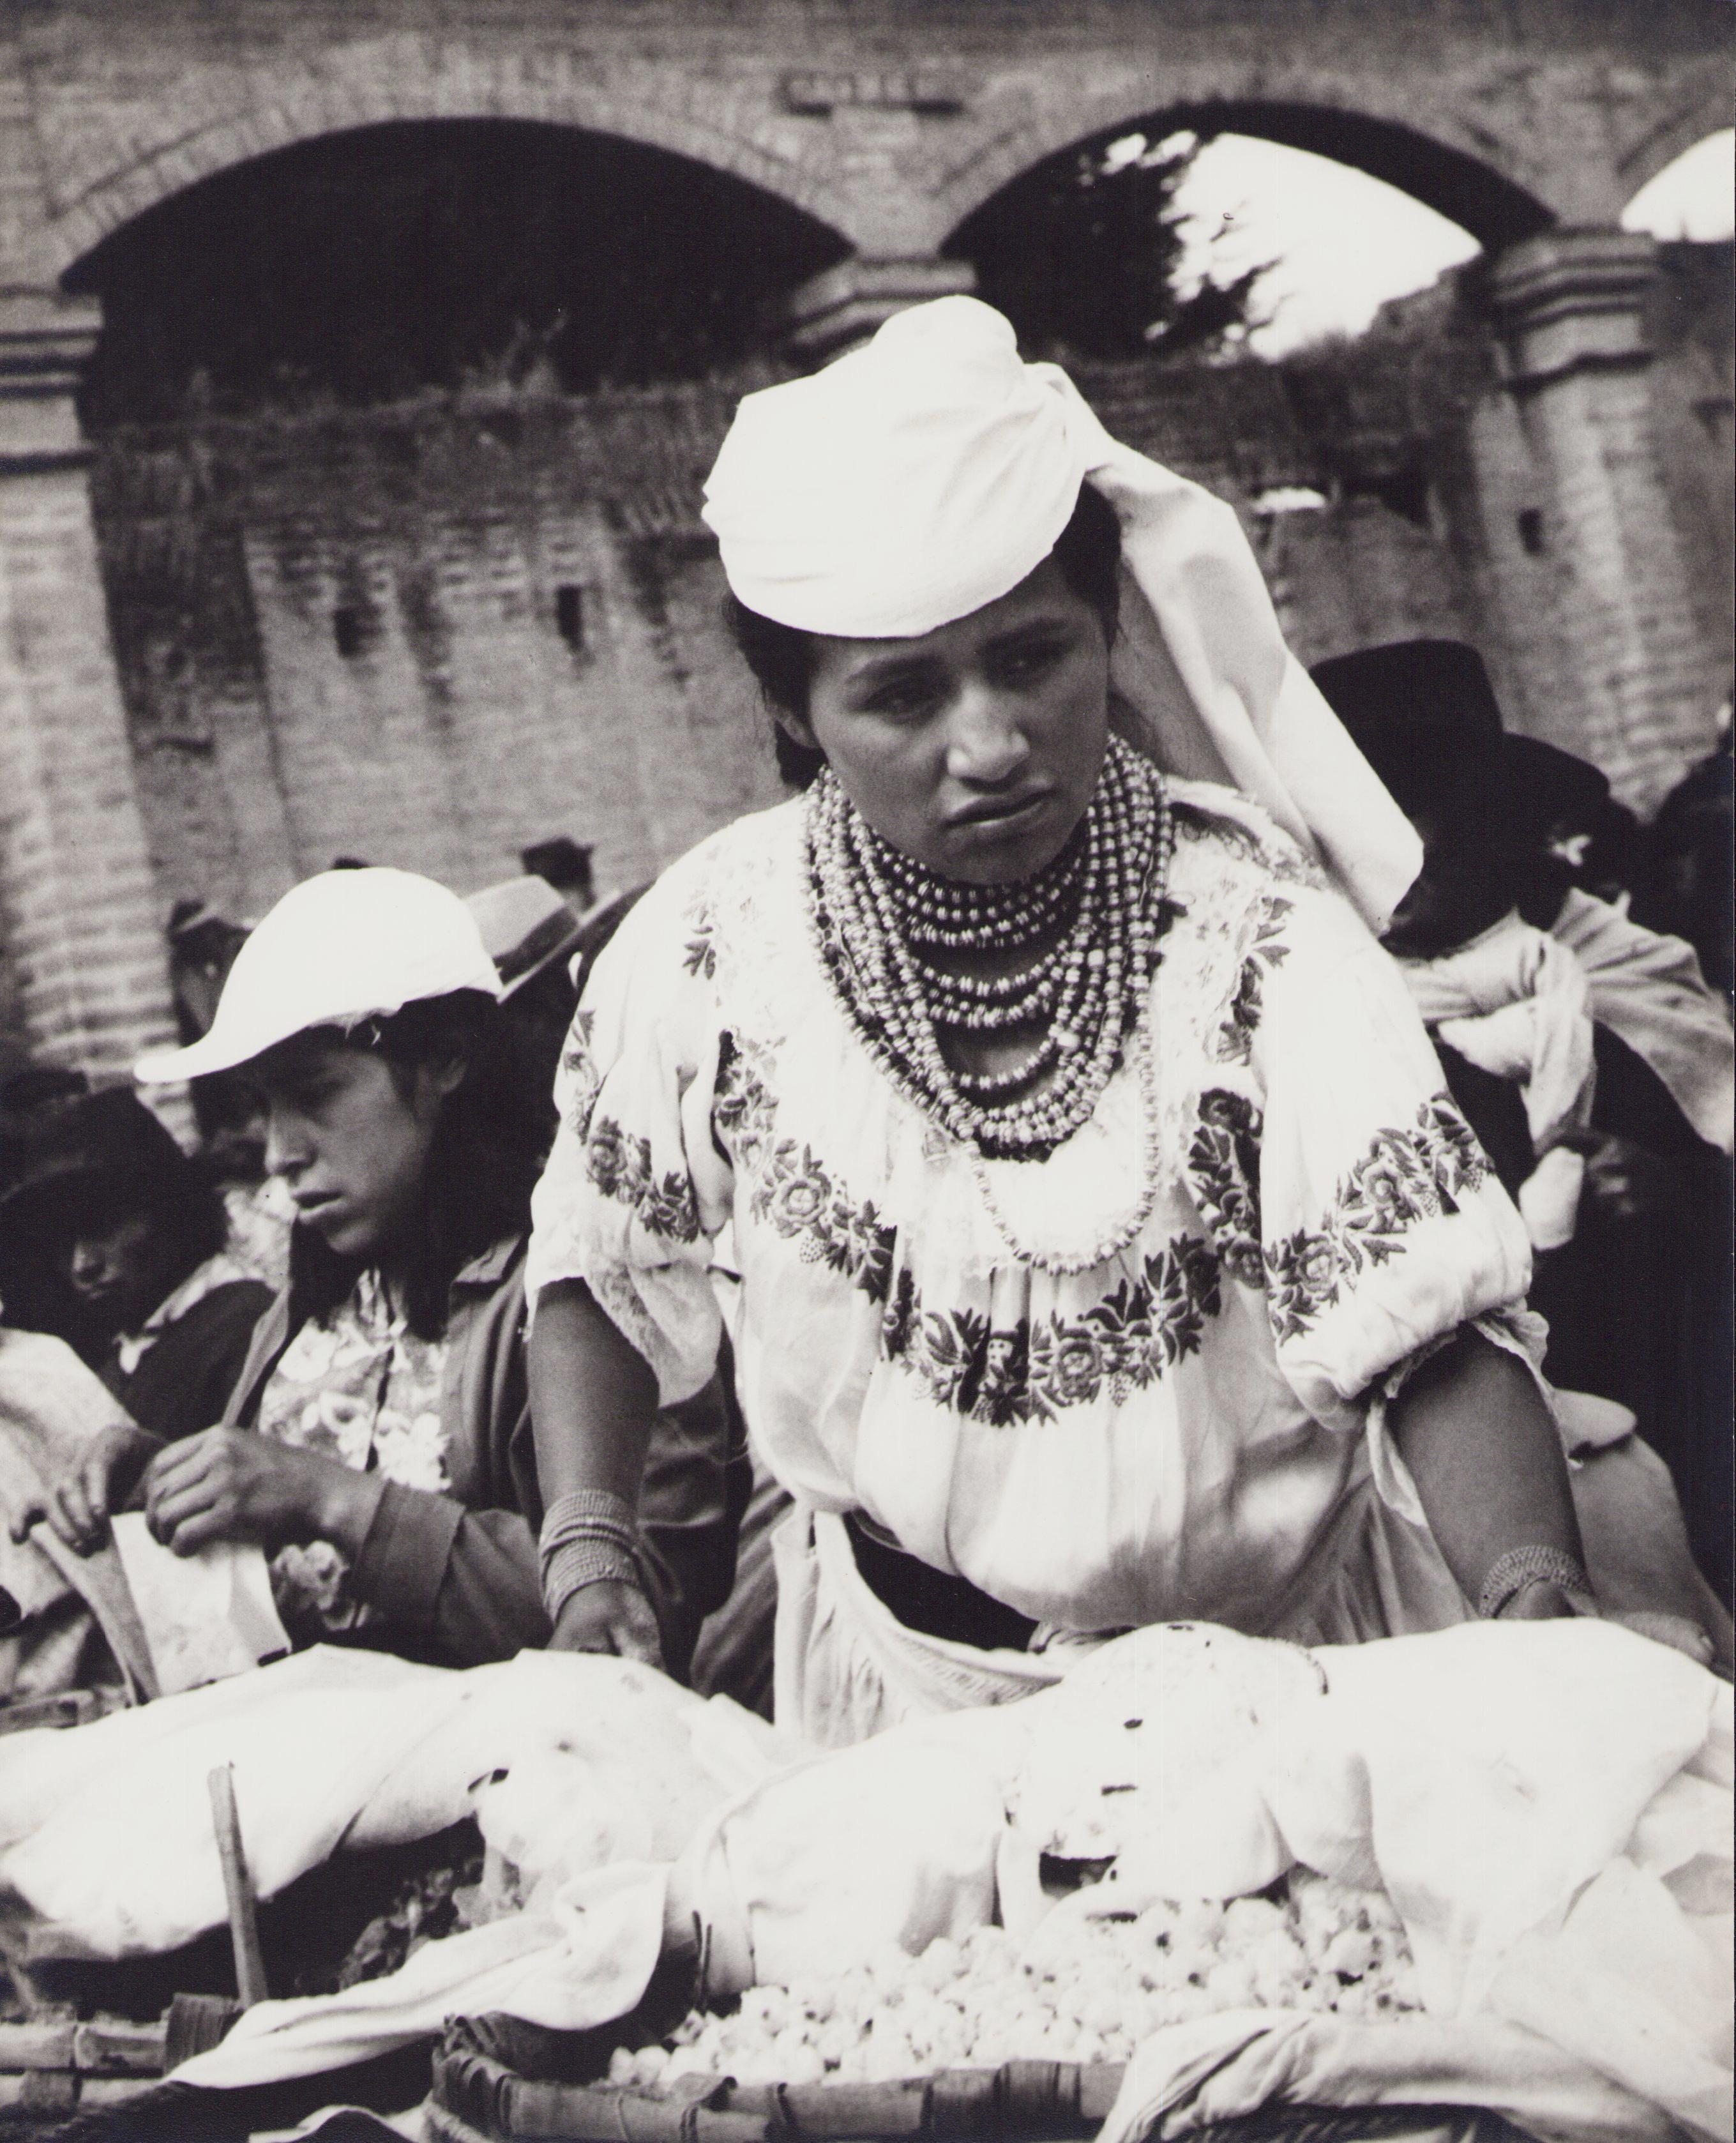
{"x":636,"y":1188}
{"x":455,"y":1586}
{"x":1367,"y":1209}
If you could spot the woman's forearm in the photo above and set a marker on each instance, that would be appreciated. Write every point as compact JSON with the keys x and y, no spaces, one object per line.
{"x":593,"y":1398}
{"x":1487,"y":1458}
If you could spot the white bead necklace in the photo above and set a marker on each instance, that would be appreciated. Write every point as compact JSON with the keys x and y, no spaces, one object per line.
{"x":872,"y":910}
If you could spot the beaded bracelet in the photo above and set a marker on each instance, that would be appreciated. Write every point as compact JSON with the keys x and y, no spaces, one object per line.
{"x":1509,"y":1574}
{"x":590,"y":1537}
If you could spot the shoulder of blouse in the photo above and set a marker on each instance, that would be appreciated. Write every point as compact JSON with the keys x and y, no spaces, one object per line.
{"x":714,"y":877}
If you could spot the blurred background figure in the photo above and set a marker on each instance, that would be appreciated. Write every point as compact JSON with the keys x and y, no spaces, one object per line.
{"x":564,"y":863}
{"x":33,"y":1298}
{"x":121,"y":1243}
{"x":202,"y":948}
{"x":530,"y":935}
{"x":1589,"y":1052}
{"x":1690,"y":892}
{"x":1569,"y":833}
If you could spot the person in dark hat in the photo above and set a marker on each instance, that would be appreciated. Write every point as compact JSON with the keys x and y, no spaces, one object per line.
{"x":1569,"y":833}
{"x":1594,"y":1063}
{"x":1688,"y":891}
{"x":1491,"y":809}
{"x":128,"y":1241}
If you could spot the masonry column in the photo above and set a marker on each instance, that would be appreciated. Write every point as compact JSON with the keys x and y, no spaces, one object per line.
{"x":78,"y":907}
{"x":841,"y":306}
{"x":1569,"y":307}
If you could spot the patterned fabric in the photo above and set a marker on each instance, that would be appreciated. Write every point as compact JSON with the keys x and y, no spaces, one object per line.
{"x":1161,"y":1435}
{"x":361,"y":1388}
{"x":1405,"y":1176}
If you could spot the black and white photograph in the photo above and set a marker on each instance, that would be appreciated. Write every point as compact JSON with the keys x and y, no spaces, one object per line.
{"x":867,"y":1083}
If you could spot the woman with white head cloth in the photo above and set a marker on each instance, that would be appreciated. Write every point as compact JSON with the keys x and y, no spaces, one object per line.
{"x":1098,"y":1242}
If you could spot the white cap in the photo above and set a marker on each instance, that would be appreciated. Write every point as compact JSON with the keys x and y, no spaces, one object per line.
{"x":334,"y":950}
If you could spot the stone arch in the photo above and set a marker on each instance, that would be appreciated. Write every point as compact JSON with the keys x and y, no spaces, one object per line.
{"x":1463,"y":171}
{"x":201,"y":132}
{"x":1693,"y":109}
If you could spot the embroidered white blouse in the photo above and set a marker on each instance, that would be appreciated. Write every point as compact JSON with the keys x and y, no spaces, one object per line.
{"x":1163,"y":1435}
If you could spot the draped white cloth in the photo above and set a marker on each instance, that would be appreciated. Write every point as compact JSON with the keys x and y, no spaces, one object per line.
{"x":1648,"y":988}
{"x":1516,"y":1003}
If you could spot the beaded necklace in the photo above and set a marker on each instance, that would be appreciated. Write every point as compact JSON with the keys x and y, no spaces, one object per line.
{"x":1091,"y":921}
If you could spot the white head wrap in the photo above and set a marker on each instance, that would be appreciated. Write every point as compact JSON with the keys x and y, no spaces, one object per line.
{"x":928,"y":472}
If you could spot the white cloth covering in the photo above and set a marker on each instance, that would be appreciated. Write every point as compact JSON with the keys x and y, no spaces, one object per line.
{"x":1161,"y":1436}
{"x":927,"y":473}
{"x":338,"y":1749}
{"x":1548,"y":1807}
{"x":1649,"y":989}
{"x":1516,"y":1002}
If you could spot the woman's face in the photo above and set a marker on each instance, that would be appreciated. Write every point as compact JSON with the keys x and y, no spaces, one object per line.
{"x":975,"y":748}
{"x":351,"y":1145}
{"x":120,"y":1264}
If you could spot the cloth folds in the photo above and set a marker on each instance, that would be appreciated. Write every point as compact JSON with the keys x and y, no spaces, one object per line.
{"x":1649,"y":989}
{"x":926,"y":474}
{"x":1516,"y":1002}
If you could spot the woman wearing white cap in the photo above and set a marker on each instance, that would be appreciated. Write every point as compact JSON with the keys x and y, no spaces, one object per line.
{"x":378,"y":1443}
{"x":1106,"y":1248}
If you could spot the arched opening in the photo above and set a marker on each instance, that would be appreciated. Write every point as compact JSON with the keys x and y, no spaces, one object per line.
{"x":362,"y":266}
{"x":1416,"y":194}
{"x":1693,"y":197}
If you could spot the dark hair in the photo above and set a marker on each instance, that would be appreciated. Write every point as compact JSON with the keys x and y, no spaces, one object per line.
{"x":781,"y":657}
{"x":482,"y":1163}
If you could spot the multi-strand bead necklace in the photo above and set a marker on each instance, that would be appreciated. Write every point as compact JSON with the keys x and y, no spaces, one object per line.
{"x":1090,"y":923}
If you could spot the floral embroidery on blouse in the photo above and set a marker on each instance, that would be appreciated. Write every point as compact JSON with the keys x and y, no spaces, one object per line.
{"x":1224,"y":1161}
{"x":579,"y":1065}
{"x":1235,"y":1036}
{"x":1034,"y":1371}
{"x":619,"y":1163}
{"x":742,"y":1108}
{"x":700,"y":956}
{"x":1031,"y":1372}
{"x":796,"y":1195}
{"x":1405,"y":1176}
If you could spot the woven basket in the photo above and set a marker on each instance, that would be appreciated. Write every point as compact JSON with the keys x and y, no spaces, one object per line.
{"x":476,"y":2099}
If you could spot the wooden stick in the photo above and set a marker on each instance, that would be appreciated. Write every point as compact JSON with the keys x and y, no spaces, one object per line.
{"x":244,"y":1909}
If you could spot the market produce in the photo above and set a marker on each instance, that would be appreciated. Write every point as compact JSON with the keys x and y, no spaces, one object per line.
{"x":1085,"y":1987}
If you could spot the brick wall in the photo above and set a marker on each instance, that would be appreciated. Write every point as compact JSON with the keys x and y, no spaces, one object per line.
{"x":889,"y":120}
{"x":343,"y":634}
{"x":425,"y":638}
{"x":78,"y":906}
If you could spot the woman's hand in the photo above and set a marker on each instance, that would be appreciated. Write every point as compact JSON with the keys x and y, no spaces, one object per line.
{"x":609,"y":1617}
{"x":230,"y":1484}
{"x":77,"y":1506}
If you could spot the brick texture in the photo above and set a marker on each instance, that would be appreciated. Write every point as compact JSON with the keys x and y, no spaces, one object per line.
{"x":351,"y":641}
{"x":1510,"y":117}
{"x":78,"y":901}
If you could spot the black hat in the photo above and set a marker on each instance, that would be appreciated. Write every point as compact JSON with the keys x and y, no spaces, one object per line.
{"x":1420,"y":711}
{"x":1548,"y":786}
{"x":104,"y":1145}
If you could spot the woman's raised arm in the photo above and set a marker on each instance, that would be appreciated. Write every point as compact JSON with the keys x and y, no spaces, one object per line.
{"x":593,"y":1398}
